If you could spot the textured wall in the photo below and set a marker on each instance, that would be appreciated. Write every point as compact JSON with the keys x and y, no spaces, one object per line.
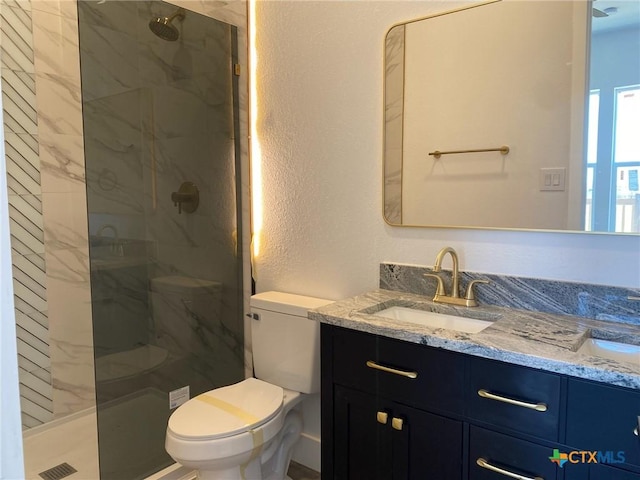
{"x":320,"y":78}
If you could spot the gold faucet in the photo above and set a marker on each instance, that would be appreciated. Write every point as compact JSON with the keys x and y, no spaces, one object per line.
{"x":441,"y":296}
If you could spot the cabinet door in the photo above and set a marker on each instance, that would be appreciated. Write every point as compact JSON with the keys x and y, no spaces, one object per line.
{"x":425,"y":446}
{"x":407,"y":444}
{"x":604,"y":418}
{"x":601,"y":472}
{"x":362,"y":443}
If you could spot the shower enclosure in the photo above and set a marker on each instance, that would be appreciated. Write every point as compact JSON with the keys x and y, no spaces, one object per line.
{"x":160,"y":118}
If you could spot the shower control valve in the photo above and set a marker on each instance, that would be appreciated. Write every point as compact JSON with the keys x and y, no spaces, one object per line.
{"x":186,"y":198}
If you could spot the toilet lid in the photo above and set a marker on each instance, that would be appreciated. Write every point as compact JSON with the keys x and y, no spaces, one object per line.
{"x":227,"y":411}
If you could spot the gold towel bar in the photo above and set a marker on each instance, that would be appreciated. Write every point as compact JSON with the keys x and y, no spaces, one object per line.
{"x":503,"y":150}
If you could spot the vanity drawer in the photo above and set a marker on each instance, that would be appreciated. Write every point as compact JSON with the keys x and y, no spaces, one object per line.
{"x":409,"y":373}
{"x":514,"y":397}
{"x":604,"y":418}
{"x":508,"y":455}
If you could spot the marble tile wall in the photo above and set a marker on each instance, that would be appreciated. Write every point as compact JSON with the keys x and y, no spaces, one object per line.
{"x":25,"y":211}
{"x":64,"y":204}
{"x":600,"y":302}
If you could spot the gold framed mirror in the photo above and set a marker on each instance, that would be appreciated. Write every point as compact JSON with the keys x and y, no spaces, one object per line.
{"x":556,"y":82}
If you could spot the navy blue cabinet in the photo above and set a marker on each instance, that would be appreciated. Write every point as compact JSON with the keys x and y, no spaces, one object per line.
{"x":363,"y":447}
{"x":371,"y":388}
{"x":412,"y":374}
{"x":597,"y":472}
{"x":603,"y":472}
{"x":521,"y":399}
{"x":376,"y":438}
{"x":604,"y":419}
{"x":399,"y":410}
{"x":493,"y":455}
{"x":425,"y":445}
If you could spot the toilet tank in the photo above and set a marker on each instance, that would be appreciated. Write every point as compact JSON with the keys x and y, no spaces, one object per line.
{"x":285,"y":342}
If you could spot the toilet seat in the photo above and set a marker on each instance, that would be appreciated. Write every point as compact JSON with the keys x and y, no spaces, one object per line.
{"x":227,"y":411}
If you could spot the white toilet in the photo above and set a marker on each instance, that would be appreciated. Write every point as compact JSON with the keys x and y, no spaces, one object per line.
{"x":248,"y":430}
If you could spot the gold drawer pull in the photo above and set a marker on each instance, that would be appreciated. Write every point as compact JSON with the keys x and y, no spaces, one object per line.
{"x":484,"y":464}
{"x":540,"y":407}
{"x":372,"y":364}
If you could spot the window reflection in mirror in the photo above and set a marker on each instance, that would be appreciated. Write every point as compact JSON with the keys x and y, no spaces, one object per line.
{"x":613,"y":144}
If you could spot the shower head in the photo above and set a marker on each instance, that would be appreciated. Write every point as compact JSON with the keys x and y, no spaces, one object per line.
{"x":162,"y":27}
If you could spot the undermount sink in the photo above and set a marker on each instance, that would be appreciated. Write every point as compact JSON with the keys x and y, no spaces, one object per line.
{"x":620,"y":352}
{"x":434,"y":320}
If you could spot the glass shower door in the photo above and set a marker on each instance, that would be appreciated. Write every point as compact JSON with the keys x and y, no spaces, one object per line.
{"x":160,"y":131}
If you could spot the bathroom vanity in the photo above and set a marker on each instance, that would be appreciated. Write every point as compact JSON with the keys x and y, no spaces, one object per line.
{"x":401,"y":399}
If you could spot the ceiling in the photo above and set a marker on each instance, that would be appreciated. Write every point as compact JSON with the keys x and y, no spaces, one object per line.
{"x":627,"y":14}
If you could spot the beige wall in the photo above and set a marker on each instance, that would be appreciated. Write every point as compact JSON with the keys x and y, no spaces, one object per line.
{"x":482,"y":78}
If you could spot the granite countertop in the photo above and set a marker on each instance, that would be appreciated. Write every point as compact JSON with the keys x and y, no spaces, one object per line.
{"x":533,"y":339}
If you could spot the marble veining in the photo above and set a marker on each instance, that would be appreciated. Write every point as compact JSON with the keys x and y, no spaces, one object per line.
{"x":539,"y":340}
{"x":538,"y":295}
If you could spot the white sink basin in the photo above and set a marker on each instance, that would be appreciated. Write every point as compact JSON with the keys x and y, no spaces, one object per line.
{"x":434,"y":320}
{"x":620,"y":352}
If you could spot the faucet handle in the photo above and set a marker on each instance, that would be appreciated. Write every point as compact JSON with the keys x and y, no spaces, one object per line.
{"x":440,"y":287}
{"x":470,"y":296}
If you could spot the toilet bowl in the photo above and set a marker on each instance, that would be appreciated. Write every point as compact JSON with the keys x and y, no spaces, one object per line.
{"x":242,"y":422}
{"x":247,"y":430}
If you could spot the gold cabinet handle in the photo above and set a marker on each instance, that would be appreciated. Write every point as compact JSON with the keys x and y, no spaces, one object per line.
{"x":484,"y":464}
{"x":382,"y":417}
{"x":397,"y":423}
{"x":403,"y":373}
{"x":540,"y":407}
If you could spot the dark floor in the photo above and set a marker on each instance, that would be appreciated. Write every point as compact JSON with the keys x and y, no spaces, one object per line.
{"x":300,"y":472}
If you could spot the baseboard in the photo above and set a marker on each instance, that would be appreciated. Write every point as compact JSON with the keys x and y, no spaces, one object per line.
{"x":174,"y":472}
{"x":307,"y":452}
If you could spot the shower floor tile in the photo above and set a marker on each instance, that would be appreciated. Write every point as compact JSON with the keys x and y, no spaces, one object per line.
{"x":73,"y":441}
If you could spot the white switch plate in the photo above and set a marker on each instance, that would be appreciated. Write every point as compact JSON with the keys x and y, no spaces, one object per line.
{"x":552,"y":179}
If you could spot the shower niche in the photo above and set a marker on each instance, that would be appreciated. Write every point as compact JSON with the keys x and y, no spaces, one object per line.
{"x":160,"y":107}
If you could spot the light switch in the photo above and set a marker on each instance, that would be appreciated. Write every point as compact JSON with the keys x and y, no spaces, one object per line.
{"x":552,"y":179}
